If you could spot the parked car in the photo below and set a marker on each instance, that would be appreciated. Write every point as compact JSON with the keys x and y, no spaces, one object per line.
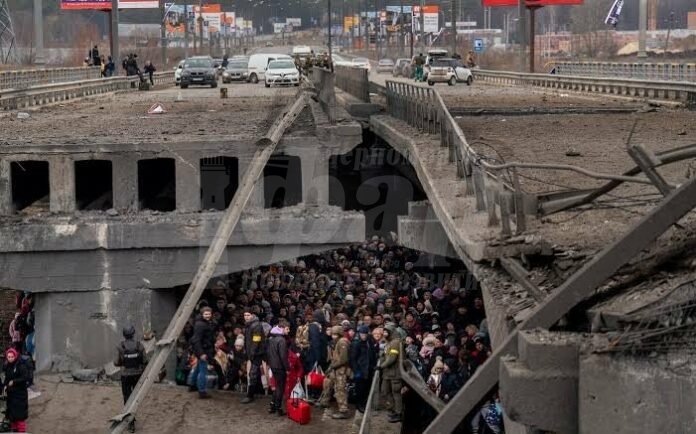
{"x":399,"y":66}
{"x":258,"y":64}
{"x":198,"y":70}
{"x":433,"y":54}
{"x":282,"y":72}
{"x":385,"y":65}
{"x":237,"y":70}
{"x":177,"y":72}
{"x":450,"y":71}
{"x":361,"y":62}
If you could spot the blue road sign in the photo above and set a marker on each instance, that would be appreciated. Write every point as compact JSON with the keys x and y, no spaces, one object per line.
{"x":478,"y":44}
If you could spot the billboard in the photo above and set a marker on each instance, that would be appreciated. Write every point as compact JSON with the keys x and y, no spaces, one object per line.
{"x":105,"y":5}
{"x":431,"y":14}
{"x":294,"y":22}
{"x":691,"y":20}
{"x":530,"y":3}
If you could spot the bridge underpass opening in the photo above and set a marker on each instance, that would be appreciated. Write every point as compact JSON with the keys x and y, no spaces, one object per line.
{"x":282,"y":181}
{"x":93,"y":185}
{"x":219,"y":181}
{"x":157,"y":184}
{"x":376,"y":179}
{"x":30,"y":185}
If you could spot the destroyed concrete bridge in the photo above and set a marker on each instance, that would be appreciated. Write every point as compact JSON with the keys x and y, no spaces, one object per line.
{"x":96,"y":234}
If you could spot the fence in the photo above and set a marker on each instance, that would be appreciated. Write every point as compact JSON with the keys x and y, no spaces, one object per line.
{"x":674,"y":91}
{"x":325,"y":82}
{"x":642,"y":71}
{"x":49,"y":93}
{"x":423,"y":108}
{"x":22,"y":79}
{"x":371,"y":406}
{"x":353,"y":81}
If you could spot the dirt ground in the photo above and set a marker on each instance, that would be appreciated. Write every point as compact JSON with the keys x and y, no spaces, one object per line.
{"x":79,"y":408}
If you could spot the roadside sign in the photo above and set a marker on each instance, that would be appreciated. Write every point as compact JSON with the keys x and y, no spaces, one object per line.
{"x":478,"y":44}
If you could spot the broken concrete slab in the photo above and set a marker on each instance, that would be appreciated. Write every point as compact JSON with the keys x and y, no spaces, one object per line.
{"x":88,"y":375}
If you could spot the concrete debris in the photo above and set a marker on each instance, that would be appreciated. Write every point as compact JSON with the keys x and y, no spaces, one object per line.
{"x":63,"y":363}
{"x":111,"y":212}
{"x":88,"y":375}
{"x":572,"y":152}
{"x":67,"y":379}
{"x":681,"y":133}
{"x":23,"y":115}
{"x":112,"y":371}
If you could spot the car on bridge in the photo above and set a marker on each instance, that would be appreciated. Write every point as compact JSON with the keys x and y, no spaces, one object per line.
{"x":361,"y":62}
{"x":198,"y":70}
{"x":282,"y":72}
{"x":237,"y":70}
{"x":450,"y":71}
{"x":399,"y":66}
{"x":385,"y":65}
{"x":258,"y":63}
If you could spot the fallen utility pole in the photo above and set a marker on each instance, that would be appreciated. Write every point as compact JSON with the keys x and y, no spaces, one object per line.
{"x":266,"y":147}
{"x":577,"y":288}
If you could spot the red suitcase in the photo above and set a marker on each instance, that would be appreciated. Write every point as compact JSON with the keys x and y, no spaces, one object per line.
{"x":299,"y":411}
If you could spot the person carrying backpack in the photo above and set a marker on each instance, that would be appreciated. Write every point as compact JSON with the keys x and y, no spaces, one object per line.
{"x":131,"y":358}
{"x":15,"y":388}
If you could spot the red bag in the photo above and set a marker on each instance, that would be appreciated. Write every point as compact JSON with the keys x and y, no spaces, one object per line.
{"x":315,"y":379}
{"x":299,"y":411}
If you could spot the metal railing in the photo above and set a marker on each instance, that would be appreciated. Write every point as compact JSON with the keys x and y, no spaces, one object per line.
{"x":423,"y":108}
{"x":371,"y":406}
{"x":668,"y":90}
{"x":13,"y":99}
{"x":641,"y":71}
{"x":24,"y":78}
{"x":354,"y":81}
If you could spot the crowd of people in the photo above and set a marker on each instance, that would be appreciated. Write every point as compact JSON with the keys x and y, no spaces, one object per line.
{"x":344,"y":314}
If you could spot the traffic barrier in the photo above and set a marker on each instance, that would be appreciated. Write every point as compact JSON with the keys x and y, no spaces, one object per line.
{"x":25,"y":78}
{"x":681,"y":91}
{"x":641,"y":71}
{"x":14,"y":99}
{"x":354,"y":81}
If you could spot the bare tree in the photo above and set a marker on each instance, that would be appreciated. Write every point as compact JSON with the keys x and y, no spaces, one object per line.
{"x":591,"y":37}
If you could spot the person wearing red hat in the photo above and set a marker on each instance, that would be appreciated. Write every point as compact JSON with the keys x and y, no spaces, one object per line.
{"x":15,"y":386}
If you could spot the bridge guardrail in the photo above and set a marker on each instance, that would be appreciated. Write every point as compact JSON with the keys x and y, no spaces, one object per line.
{"x":354,"y":81}
{"x":24,"y":78}
{"x":640,"y":71}
{"x":12,"y":99}
{"x":681,"y":91}
{"x":423,"y":108}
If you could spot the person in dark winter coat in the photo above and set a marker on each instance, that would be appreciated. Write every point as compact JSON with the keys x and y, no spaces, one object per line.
{"x":15,"y":386}
{"x":278,"y":362}
{"x":255,"y":341}
{"x":317,"y":342}
{"x":203,"y":345}
{"x":363,"y":361}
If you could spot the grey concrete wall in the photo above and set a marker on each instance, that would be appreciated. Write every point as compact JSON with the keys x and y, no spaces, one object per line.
{"x":87,"y":326}
{"x":627,"y":395}
{"x":138,"y":268}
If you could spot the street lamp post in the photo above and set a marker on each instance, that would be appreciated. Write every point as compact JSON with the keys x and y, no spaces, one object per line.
{"x":330,"y":48}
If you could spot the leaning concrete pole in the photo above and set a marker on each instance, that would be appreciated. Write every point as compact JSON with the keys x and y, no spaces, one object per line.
{"x":266,"y":146}
{"x":642,"y":28}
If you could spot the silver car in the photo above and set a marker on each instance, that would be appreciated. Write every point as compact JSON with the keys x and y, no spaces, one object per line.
{"x":385,"y":65}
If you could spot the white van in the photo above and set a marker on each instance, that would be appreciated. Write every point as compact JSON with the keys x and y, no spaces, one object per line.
{"x":301,"y":50}
{"x":258,"y":64}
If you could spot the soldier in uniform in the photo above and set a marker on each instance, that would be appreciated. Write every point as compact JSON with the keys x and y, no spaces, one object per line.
{"x":131,"y":358}
{"x":337,"y":374}
{"x":255,"y":342}
{"x":391,"y":377}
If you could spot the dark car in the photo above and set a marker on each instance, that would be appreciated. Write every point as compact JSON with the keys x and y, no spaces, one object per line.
{"x":199,"y":71}
{"x":237,"y":70}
